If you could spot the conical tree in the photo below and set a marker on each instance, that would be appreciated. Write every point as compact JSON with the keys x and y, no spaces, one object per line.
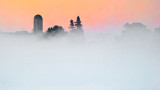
{"x":78,"y":32}
{"x":78,"y":23}
{"x":71,"y":24}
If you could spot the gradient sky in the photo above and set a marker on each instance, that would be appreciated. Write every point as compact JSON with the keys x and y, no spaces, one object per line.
{"x":18,"y":14}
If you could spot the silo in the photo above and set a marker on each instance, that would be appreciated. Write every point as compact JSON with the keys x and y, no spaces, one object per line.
{"x":38,"y":24}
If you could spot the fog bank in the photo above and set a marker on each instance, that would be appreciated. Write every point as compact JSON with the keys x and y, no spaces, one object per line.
{"x":108,"y":60}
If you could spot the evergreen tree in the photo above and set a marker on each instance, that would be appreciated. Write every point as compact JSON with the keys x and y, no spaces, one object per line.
{"x":78,"y":23}
{"x":77,"y":33}
{"x":71,"y":24}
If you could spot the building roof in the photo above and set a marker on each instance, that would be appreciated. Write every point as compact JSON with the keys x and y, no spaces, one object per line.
{"x":37,"y":16}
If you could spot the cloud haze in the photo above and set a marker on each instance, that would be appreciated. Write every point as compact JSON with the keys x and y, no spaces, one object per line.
{"x":105,"y":61}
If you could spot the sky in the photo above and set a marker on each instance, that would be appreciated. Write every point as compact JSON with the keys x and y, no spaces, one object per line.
{"x":16,"y":15}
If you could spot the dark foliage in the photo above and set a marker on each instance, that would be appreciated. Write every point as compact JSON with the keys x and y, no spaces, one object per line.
{"x":71,"y":24}
{"x":78,"y":23}
{"x":56,"y":29}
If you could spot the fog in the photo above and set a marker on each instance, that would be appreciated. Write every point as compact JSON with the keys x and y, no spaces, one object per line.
{"x":108,"y":60}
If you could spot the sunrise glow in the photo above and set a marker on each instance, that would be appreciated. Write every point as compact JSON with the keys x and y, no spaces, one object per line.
{"x":18,"y":14}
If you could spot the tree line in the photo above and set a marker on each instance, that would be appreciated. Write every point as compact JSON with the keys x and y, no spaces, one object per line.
{"x":75,"y":28}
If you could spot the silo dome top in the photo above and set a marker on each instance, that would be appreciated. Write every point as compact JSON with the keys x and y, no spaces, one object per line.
{"x":38,"y":16}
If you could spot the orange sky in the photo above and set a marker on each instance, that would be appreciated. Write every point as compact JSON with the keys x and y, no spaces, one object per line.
{"x":18,"y":14}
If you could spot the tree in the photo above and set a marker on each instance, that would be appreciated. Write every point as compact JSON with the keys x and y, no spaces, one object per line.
{"x":77,"y":31}
{"x":56,"y":29}
{"x":78,"y":23}
{"x":71,"y":24}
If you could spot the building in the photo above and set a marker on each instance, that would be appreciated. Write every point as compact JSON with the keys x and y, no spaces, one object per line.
{"x":38,"y":24}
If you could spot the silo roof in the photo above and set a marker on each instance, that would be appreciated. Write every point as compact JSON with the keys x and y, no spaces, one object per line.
{"x":37,"y":16}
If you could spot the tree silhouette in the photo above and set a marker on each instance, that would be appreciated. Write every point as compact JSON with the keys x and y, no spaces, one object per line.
{"x":56,"y":29}
{"x":71,"y":24}
{"x":78,"y":23}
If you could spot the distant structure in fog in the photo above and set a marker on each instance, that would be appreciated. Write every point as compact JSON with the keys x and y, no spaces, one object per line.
{"x":157,"y":29}
{"x":134,"y":26}
{"x":38,"y":24}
